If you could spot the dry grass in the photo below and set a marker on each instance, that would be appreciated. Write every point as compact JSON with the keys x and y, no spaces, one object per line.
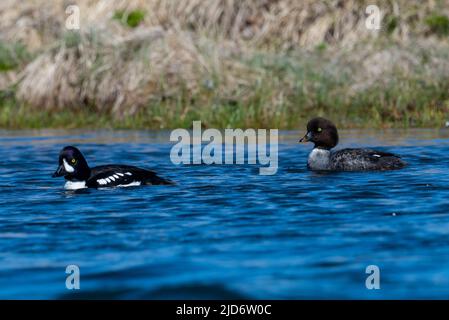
{"x":278,"y":24}
{"x":123,"y":75}
{"x":264,"y":61}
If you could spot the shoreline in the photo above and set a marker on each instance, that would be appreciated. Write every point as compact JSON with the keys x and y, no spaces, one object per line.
{"x":243,"y":73}
{"x":20,"y":118}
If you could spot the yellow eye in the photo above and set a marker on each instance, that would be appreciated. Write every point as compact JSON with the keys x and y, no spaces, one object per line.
{"x":73,"y":161}
{"x":319,"y":130}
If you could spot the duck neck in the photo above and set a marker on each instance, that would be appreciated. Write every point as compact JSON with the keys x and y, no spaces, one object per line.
{"x":319,"y":159}
{"x":82,"y":173}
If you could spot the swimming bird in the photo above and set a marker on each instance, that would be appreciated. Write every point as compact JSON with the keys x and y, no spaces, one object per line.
{"x":323,"y":133}
{"x":73,"y":166}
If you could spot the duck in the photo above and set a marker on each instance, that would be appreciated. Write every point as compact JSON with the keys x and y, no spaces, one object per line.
{"x":324,"y":134}
{"x":78,"y":175}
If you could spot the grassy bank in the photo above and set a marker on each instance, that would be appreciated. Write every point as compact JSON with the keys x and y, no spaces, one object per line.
{"x":378,"y":85}
{"x":406,"y":103}
{"x":157,"y":64}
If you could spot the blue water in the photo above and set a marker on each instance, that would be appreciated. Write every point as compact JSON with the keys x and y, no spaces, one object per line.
{"x":224,"y":231}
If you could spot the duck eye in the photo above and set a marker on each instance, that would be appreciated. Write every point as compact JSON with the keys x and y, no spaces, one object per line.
{"x":73,"y":161}
{"x":319,"y":130}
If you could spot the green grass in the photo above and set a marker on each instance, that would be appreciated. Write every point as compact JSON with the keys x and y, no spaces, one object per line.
{"x":12,"y":55}
{"x":438,"y":24}
{"x":130,"y":18}
{"x":391,"y":23}
{"x":290,"y":90}
{"x":71,"y":39}
{"x":410,"y":103}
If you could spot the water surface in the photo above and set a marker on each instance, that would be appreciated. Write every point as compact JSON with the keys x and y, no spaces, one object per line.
{"x":224,"y":231}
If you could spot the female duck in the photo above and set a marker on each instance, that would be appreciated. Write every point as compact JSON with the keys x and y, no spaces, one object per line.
{"x":324,"y":135}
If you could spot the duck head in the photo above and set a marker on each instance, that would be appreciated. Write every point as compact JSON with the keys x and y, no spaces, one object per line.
{"x":322,"y":132}
{"x":72,"y":165}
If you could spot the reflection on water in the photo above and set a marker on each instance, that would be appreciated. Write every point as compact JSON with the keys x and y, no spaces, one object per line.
{"x":224,"y":231}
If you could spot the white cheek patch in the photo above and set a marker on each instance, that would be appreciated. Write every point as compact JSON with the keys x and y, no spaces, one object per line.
{"x":67,"y":166}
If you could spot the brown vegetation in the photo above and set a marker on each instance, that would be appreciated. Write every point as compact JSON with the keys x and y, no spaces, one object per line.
{"x":288,"y":57}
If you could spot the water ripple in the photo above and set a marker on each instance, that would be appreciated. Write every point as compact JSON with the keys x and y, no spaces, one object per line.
{"x":223,"y":231}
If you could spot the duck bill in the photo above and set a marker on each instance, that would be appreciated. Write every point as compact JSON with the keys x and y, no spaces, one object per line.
{"x":306,"y":138}
{"x":59,"y":172}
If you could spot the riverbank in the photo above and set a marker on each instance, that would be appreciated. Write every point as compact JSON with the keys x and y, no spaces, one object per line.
{"x":378,"y":86}
{"x":149,"y":64}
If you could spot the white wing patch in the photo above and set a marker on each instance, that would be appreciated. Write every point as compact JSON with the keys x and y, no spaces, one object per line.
{"x":117,"y":176}
{"x":376,"y":155}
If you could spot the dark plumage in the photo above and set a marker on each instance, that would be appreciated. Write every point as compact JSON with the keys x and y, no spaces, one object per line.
{"x":73,"y":166}
{"x":365,"y":159}
{"x":324,"y":135}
